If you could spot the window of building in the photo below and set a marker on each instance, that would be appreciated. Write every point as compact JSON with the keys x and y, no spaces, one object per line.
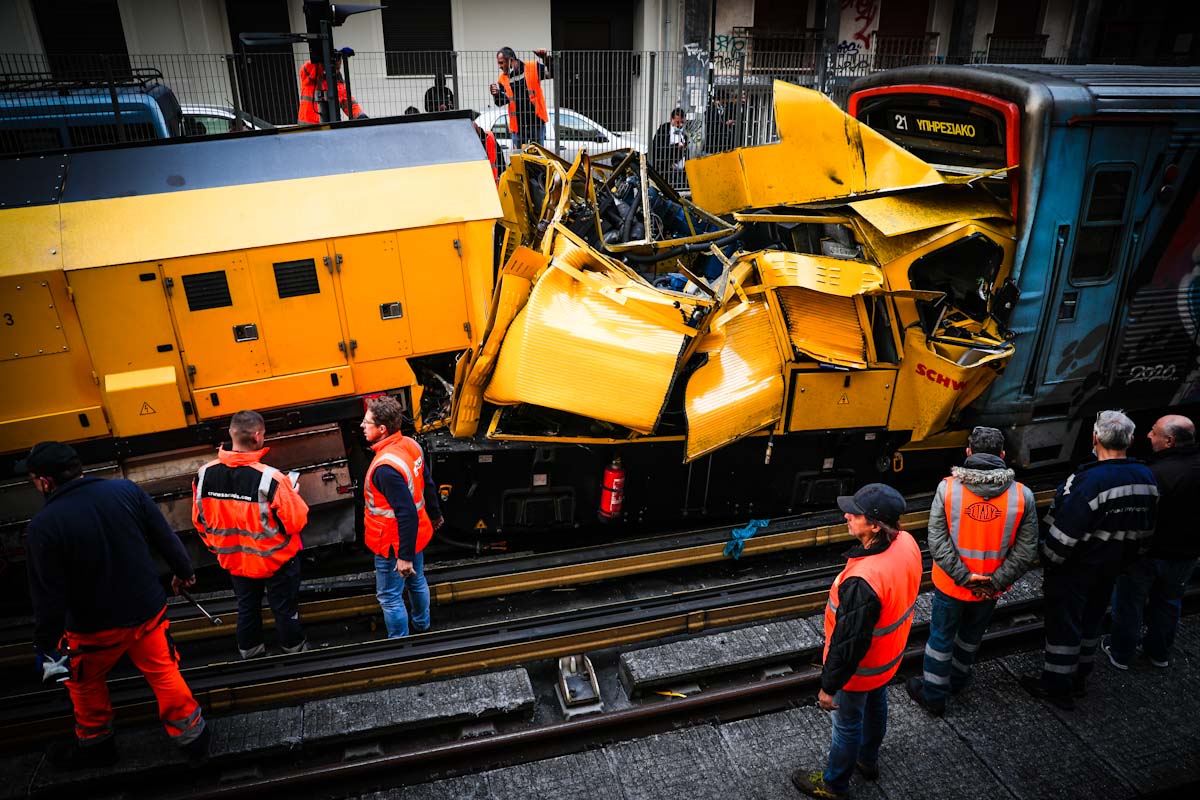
{"x":418,"y":38}
{"x":83,"y":39}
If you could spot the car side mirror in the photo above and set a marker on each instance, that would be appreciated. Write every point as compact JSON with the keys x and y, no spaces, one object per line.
{"x":600,"y":138}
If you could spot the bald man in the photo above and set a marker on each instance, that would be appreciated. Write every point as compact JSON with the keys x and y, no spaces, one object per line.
{"x":1151,"y":589}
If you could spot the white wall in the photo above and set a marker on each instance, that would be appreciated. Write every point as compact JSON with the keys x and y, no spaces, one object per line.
{"x":1056,"y":24}
{"x":18,"y":28}
{"x":941,"y":20}
{"x":175,"y":26}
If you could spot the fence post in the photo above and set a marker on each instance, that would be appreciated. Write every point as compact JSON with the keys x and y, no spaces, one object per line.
{"x":651,"y":90}
{"x":235,"y":99}
{"x":454,"y":78}
{"x":558,"y":73}
{"x":112,"y":94}
{"x":739,"y":130}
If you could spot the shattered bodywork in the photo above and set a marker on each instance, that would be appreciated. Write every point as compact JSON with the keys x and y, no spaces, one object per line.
{"x":830,"y":280}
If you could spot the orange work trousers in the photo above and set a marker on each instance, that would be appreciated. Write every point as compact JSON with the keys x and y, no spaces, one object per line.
{"x":93,"y":655}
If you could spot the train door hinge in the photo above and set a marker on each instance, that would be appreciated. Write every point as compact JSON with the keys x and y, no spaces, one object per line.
{"x":95,"y":378}
{"x":70,"y":294}
{"x":334,"y":263}
{"x":348,"y":350}
{"x":458,"y":247}
{"x":168,"y":284}
{"x":467,"y":328}
{"x":191,"y":373}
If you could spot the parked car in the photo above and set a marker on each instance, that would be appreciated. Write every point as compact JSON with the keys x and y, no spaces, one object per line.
{"x":204,"y":120}
{"x":576,"y":132}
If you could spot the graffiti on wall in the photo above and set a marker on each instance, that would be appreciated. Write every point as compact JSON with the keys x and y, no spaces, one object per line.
{"x":865,"y":12}
{"x":728,"y":49}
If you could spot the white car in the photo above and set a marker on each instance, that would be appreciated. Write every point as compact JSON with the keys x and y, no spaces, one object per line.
{"x":200,"y":120}
{"x":576,"y":132}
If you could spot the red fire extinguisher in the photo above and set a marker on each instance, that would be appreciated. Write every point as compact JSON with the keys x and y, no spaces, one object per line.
{"x":612,"y":496}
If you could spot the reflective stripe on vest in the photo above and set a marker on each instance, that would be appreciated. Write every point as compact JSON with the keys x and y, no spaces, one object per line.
{"x":982,"y":530}
{"x":895,"y":577}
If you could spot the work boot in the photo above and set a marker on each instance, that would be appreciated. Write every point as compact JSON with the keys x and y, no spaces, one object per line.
{"x":76,"y":755}
{"x":870,"y":772}
{"x":253,"y":652}
{"x":916,"y":690}
{"x":197,"y":749}
{"x":296,"y":648}
{"x":813,"y":785}
{"x":1033,"y":685}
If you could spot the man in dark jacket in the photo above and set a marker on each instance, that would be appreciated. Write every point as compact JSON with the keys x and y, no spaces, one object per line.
{"x":983,"y":535}
{"x":719,"y":125}
{"x":669,"y":149}
{"x":867,"y":621}
{"x":1152,"y":587}
{"x":1099,"y":522}
{"x":94,"y":586}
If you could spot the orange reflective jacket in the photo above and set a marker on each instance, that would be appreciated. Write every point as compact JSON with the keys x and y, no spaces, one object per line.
{"x":312,"y":81}
{"x":895,"y":576}
{"x":982,"y":530}
{"x":381,"y":532}
{"x":247,"y":513}
{"x":533,"y":85}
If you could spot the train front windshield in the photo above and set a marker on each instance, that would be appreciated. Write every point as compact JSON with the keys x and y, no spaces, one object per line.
{"x":958,"y":131}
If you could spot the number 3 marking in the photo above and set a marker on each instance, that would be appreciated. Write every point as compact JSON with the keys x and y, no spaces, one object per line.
{"x":8,"y":320}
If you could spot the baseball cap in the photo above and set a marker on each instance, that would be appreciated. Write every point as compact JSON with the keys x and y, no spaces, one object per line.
{"x":47,"y":458}
{"x":877,"y":501}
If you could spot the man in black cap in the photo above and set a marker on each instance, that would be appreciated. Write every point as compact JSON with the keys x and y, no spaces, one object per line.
{"x":867,"y":622}
{"x":96,"y":591}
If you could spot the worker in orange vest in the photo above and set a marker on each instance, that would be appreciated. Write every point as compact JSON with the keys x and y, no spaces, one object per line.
{"x":312,"y":93}
{"x":401,"y":514}
{"x":250,"y":516}
{"x":488,"y":140}
{"x":867,"y":621}
{"x":520,"y":88}
{"x":97,"y":597}
{"x":983,"y":535}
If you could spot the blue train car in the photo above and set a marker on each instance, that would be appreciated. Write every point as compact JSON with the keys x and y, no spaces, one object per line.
{"x":1099,"y":164}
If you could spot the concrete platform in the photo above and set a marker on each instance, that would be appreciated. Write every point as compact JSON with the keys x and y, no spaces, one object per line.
{"x":1134,"y":734}
{"x":242,"y":737}
{"x":773,"y":642}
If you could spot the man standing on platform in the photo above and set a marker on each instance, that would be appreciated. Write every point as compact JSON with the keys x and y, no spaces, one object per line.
{"x":520,"y":87}
{"x":251,"y":516}
{"x":95,"y":587}
{"x":983,"y":535}
{"x":1152,"y":588}
{"x":867,"y":622}
{"x":1099,"y":521}
{"x":399,"y":495}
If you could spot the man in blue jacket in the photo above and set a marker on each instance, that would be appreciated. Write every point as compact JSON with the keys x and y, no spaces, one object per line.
{"x":1100,"y":520}
{"x":95,"y":588}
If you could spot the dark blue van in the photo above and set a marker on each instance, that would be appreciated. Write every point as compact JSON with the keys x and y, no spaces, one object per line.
{"x":38,"y":112}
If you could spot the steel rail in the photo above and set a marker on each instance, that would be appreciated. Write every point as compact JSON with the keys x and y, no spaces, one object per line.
{"x":497,"y":582}
{"x":241,"y":686}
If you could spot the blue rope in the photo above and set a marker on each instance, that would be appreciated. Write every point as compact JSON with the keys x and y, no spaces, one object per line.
{"x":737,"y":540}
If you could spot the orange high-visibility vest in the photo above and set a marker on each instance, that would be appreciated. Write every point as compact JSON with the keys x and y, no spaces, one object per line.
{"x":381,"y":532}
{"x":533,"y":85}
{"x":982,"y":530}
{"x":247,"y":513}
{"x":312,"y":80}
{"x":895,"y":576}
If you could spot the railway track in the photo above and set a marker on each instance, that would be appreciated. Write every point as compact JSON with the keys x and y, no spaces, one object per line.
{"x":522,"y":574}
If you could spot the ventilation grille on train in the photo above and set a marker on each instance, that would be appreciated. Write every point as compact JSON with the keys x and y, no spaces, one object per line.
{"x":296,"y":278}
{"x":207,"y":290}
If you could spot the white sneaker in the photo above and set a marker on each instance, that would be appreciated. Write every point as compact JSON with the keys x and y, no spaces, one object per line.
{"x":1160,"y":664}
{"x":1106,"y":647}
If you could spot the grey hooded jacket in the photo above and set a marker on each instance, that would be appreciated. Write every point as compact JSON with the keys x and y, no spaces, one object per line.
{"x":986,"y":476}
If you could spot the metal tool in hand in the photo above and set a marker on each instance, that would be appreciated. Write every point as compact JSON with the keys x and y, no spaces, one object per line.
{"x":190,"y":599}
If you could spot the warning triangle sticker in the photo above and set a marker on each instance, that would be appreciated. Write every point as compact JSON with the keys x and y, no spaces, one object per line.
{"x":481,"y":526}
{"x":146,"y":409}
{"x":845,"y":401}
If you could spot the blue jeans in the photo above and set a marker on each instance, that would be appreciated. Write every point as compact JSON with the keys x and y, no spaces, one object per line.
{"x":389,"y":589}
{"x":1150,"y":589}
{"x":529,"y":133}
{"x":955,"y":631}
{"x":858,"y":727}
